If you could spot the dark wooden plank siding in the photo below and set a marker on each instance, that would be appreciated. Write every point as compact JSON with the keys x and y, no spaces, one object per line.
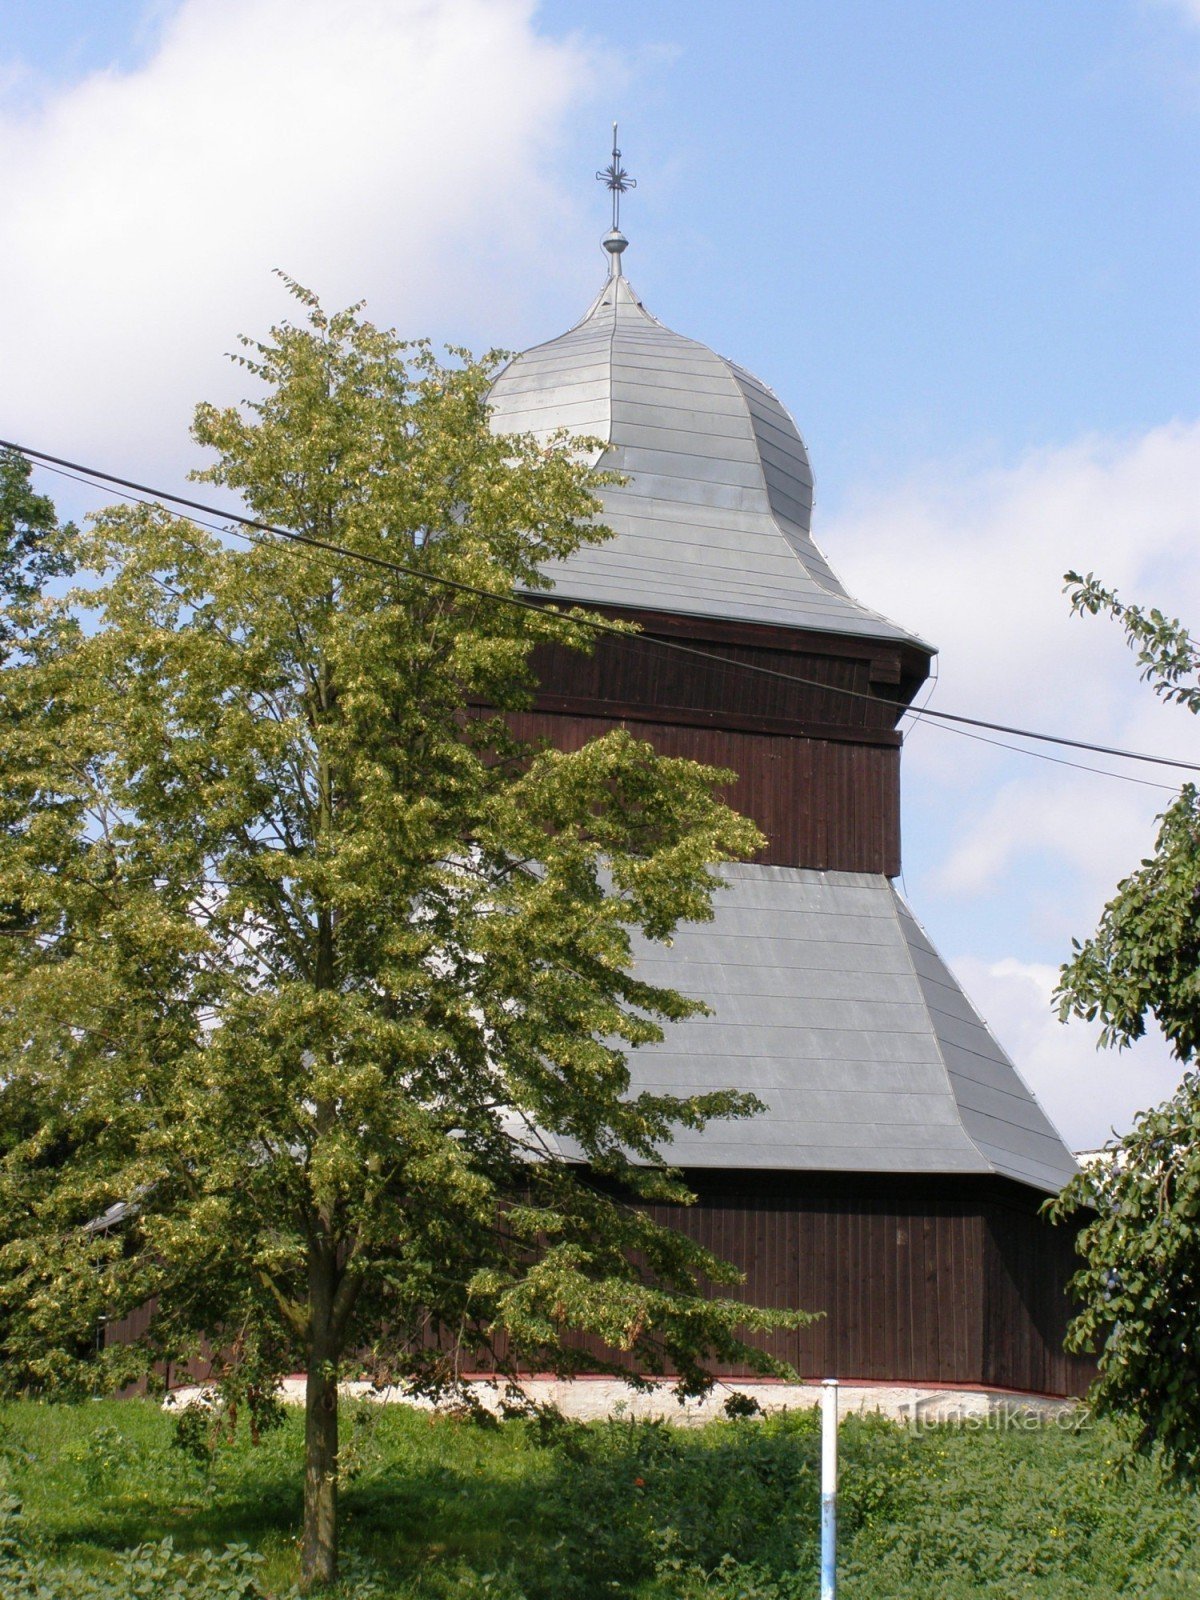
{"x":127,"y":1329}
{"x":821,"y":803}
{"x":807,"y":721}
{"x":1029,"y":1265}
{"x":729,"y":681}
{"x":898,"y":1270}
{"x":951,"y":1281}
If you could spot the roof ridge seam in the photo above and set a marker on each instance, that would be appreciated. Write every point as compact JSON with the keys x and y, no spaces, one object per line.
{"x":836,"y":586}
{"x":612,"y":339}
{"x":903,"y":907}
{"x":984,"y":1024}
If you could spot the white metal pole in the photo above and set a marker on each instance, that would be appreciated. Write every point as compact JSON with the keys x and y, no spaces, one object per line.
{"x":829,"y":1436}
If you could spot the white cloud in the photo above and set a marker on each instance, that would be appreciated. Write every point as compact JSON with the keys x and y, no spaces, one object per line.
{"x":1010,"y":857}
{"x":1064,"y":820}
{"x":973,"y":559}
{"x":395,"y":148}
{"x":1086,"y":1093}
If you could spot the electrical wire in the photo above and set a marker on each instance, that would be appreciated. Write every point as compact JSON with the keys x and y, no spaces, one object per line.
{"x":916,"y":713}
{"x":98,"y":478}
{"x":151,"y":500}
{"x":1059,"y":761}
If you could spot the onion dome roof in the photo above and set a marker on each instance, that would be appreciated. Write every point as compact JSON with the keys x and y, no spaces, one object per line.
{"x":715,"y":517}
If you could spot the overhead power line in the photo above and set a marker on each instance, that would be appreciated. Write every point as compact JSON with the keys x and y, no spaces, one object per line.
{"x":1042,"y":755}
{"x":958,"y":721}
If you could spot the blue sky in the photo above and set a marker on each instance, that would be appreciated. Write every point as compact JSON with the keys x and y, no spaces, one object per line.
{"x":961,"y":241}
{"x":951,"y":226}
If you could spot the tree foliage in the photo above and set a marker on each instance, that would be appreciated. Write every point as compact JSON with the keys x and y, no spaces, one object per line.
{"x":1139,"y":1286}
{"x":33,"y":550}
{"x":327,"y":972}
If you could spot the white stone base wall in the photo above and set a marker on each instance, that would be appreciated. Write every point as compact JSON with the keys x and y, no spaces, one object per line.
{"x":591,"y":1399}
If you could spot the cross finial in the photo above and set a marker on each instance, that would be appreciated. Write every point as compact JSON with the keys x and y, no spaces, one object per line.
{"x":617,"y":180}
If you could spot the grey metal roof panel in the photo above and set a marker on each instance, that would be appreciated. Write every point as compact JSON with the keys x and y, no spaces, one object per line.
{"x":663,"y":543}
{"x":670,"y":540}
{"x":576,"y":418}
{"x":669,"y":376}
{"x":772,"y":965}
{"x":839,"y":1017}
{"x":829,"y":1002}
{"x":628,"y":552}
{"x":884,"y":1083}
{"x":686,"y":475}
{"x":779,"y":469}
{"x":828,"y":992}
{"x":631,"y":385}
{"x":1039,"y":1175}
{"x":806,"y":923}
{"x":778,"y":1156}
{"x":714,"y":518}
{"x":691,"y":577}
{"x":723,"y":545}
{"x":790,"y":1040}
{"x":646,"y":432}
{"x":997,"y":1107}
{"x":755,"y":605}
{"x":720,"y":417}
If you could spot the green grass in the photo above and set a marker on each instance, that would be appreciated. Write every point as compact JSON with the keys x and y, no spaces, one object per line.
{"x":440,"y":1508}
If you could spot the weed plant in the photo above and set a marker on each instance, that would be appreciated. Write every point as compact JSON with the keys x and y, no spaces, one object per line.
{"x":98,"y":1501}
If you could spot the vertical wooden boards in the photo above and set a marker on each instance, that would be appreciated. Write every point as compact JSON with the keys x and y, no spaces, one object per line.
{"x":953,"y":1281}
{"x":1029,"y":1266}
{"x":807,"y":722}
{"x":821,"y":803}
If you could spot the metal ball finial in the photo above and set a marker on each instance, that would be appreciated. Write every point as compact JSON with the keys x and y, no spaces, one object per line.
{"x":615,"y":243}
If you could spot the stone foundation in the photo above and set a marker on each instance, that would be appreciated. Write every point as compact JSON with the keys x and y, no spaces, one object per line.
{"x":591,"y":1399}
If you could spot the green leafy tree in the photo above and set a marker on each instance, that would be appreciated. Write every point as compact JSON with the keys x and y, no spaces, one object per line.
{"x":1139,"y":1286}
{"x":33,"y":550}
{"x":329,"y":973}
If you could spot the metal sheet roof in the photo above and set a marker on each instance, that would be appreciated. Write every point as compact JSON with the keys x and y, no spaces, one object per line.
{"x":715,"y":518}
{"x":829,"y":1002}
{"x":831,"y":1005}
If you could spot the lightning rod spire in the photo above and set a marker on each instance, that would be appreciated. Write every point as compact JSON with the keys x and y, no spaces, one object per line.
{"x":617,"y":181}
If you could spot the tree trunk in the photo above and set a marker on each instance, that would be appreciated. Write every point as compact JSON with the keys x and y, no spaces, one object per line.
{"x":318,"y":1552}
{"x":318,"y":1555}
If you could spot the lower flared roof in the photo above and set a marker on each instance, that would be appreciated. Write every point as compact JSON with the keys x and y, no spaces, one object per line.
{"x":832,"y":1006}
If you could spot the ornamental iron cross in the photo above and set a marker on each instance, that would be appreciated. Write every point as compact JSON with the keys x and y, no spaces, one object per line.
{"x":617,"y":180}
